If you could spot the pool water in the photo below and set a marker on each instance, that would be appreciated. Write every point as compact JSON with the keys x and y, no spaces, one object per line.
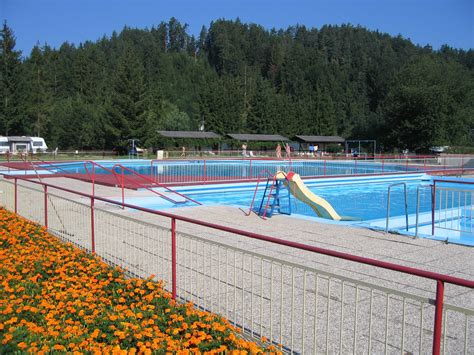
{"x":354,"y":198}
{"x":364,"y":199}
{"x":200,"y":170}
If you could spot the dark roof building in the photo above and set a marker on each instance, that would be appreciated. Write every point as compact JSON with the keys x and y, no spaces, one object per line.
{"x":19,"y":139}
{"x":320,"y":139}
{"x":258,"y":137}
{"x":189,"y":134}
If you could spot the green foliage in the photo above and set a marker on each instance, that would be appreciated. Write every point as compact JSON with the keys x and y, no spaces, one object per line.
{"x":237,"y":77}
{"x":334,"y":148}
{"x":430,"y":104}
{"x":9,"y":81}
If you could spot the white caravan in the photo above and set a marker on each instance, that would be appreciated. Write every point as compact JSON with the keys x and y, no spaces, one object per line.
{"x":18,"y":145}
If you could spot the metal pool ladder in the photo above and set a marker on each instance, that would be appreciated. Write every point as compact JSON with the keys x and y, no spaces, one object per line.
{"x":388,"y":204}
{"x":418,"y":205}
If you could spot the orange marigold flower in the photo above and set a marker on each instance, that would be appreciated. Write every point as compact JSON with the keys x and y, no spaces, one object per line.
{"x":59,"y":347}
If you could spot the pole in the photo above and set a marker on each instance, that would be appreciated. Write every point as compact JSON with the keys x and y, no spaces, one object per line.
{"x":93,"y":180}
{"x":123,"y":190}
{"x":16,"y":195}
{"x":173,"y":258}
{"x":92,"y":226}
{"x":46,"y":206}
{"x":438,"y":321}
{"x":433,"y":207}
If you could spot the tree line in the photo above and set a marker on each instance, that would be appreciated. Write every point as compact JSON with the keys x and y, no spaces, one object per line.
{"x":238,"y":78}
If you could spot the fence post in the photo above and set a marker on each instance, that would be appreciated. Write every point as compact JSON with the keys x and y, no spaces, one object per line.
{"x":93,"y":180}
{"x":173,"y":258}
{"x":92,"y":226}
{"x":433,"y":207}
{"x":123,"y":190}
{"x":204,"y":172}
{"x":324,"y":167}
{"x":46,"y":206}
{"x":438,"y":321}
{"x":16,"y":195}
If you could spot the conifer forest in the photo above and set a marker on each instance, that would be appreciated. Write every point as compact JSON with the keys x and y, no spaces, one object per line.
{"x":238,"y":78}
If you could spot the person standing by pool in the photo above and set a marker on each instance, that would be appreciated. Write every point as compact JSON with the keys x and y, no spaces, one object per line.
{"x":278,"y":151}
{"x":244,"y":149}
{"x":183,"y":152}
{"x":288,"y":150}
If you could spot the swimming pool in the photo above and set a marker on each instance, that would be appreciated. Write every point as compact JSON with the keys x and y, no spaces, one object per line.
{"x":361,"y":198}
{"x":184,"y":171}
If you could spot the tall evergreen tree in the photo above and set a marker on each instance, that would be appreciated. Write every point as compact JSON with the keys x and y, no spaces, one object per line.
{"x":126,"y":106}
{"x":9,"y":80}
{"x":38,"y":98}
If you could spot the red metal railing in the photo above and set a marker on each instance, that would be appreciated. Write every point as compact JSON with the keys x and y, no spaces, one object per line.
{"x":123,"y":178}
{"x":439,"y":278}
{"x":405,"y":164}
{"x":153,"y":182}
{"x":259,"y":178}
{"x":210,"y":173}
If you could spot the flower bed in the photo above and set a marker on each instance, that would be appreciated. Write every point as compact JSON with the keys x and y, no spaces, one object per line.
{"x":54,"y":296}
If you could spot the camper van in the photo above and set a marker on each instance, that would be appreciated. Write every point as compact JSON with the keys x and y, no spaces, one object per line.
{"x":23,"y":144}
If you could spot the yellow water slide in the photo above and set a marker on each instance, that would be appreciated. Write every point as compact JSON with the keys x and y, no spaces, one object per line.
{"x":300,"y":191}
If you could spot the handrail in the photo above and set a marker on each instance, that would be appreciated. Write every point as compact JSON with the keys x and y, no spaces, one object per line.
{"x":259,"y":177}
{"x":92,"y":177}
{"x":44,"y":162}
{"x":94,"y":164}
{"x":388,"y":204}
{"x":124,"y":168}
{"x":360,"y":259}
{"x":418,"y":205}
{"x":433,"y":203}
{"x":453,"y":181}
{"x":269,"y":196}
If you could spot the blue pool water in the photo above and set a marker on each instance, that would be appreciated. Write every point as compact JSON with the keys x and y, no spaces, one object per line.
{"x":169,"y":171}
{"x":362,"y":198}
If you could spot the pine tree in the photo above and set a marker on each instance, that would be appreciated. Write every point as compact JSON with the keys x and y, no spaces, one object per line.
{"x":9,"y":80}
{"x":126,"y":105}
{"x":38,"y":95}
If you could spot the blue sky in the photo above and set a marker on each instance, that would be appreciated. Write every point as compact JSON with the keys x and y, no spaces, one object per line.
{"x":433,"y":22}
